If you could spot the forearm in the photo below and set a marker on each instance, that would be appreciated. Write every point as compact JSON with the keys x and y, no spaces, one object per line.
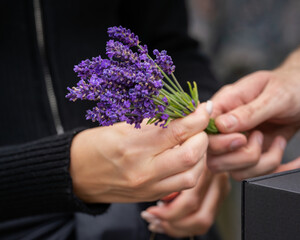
{"x":35,"y":179}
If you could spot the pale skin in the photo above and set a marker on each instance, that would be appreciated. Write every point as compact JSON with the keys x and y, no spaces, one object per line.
{"x":192,"y":212}
{"x":123,"y":164}
{"x":265,"y":105}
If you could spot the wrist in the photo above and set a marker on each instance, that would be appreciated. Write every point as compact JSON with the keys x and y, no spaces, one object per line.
{"x":80,"y":152}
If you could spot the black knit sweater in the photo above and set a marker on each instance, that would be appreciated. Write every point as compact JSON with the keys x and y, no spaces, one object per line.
{"x":34,"y":159}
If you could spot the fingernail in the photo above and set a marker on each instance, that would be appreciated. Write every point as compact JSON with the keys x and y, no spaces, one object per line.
{"x":259,"y":138}
{"x":282,"y":143}
{"x":156,"y":228}
{"x":228,"y":121}
{"x":156,"y":222}
{"x":235,"y":144}
{"x":148,"y":216}
{"x":160,"y":204}
{"x":209,"y":107}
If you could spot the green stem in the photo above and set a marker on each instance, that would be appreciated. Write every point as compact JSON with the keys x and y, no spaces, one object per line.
{"x":212,"y":128}
{"x":184,"y":108}
{"x":163,"y":73}
{"x":173,"y":108}
{"x":175,"y":95}
{"x":175,"y":79}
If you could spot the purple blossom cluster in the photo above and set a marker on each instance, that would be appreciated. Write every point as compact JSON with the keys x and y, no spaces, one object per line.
{"x":124,"y":35}
{"x":124,"y":85}
{"x":164,"y":61}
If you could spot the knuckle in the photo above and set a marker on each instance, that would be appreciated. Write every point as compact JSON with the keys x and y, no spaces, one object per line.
{"x":127,"y":154}
{"x":189,"y":180}
{"x":252,"y":155}
{"x":189,"y":157}
{"x":136,"y":181}
{"x":178,"y":133}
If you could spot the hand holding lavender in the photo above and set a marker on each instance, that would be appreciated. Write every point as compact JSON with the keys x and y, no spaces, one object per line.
{"x":131,"y":86}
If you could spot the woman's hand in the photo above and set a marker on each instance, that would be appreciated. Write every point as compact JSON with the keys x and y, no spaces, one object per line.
{"x":123,"y":164}
{"x":192,"y":212}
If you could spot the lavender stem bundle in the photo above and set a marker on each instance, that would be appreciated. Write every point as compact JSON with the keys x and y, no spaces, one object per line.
{"x":131,"y":86}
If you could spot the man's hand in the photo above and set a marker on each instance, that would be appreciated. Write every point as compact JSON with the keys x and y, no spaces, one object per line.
{"x":192,"y":212}
{"x":265,"y":105}
{"x":123,"y":164}
{"x":249,"y":160}
{"x":265,"y":96}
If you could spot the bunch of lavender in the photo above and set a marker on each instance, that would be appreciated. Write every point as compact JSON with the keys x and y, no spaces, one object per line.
{"x":130,"y":85}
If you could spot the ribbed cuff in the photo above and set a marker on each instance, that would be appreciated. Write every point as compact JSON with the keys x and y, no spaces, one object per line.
{"x":35,"y":179}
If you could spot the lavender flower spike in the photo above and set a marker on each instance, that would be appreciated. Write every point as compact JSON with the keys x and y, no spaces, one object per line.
{"x":115,"y":49}
{"x":164,"y":61}
{"x":124,"y":35}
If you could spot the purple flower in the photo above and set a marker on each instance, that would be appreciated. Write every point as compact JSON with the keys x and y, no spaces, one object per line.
{"x":164,"y":61}
{"x":165,"y":117}
{"x":160,"y":108}
{"x":122,"y":90}
{"x":165,"y":100}
{"x":143,"y":49}
{"x":124,"y":35}
{"x":115,"y":49}
{"x":126,"y":86}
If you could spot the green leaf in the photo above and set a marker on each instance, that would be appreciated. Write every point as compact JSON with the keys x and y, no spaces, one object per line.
{"x":196,"y":99}
{"x":191,"y":90}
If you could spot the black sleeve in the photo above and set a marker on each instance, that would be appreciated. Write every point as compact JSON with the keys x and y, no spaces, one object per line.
{"x":164,"y":25}
{"x":35,"y":179}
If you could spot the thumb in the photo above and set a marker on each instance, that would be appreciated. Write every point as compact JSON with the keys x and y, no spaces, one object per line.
{"x":250,"y":115}
{"x":289,"y":166}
